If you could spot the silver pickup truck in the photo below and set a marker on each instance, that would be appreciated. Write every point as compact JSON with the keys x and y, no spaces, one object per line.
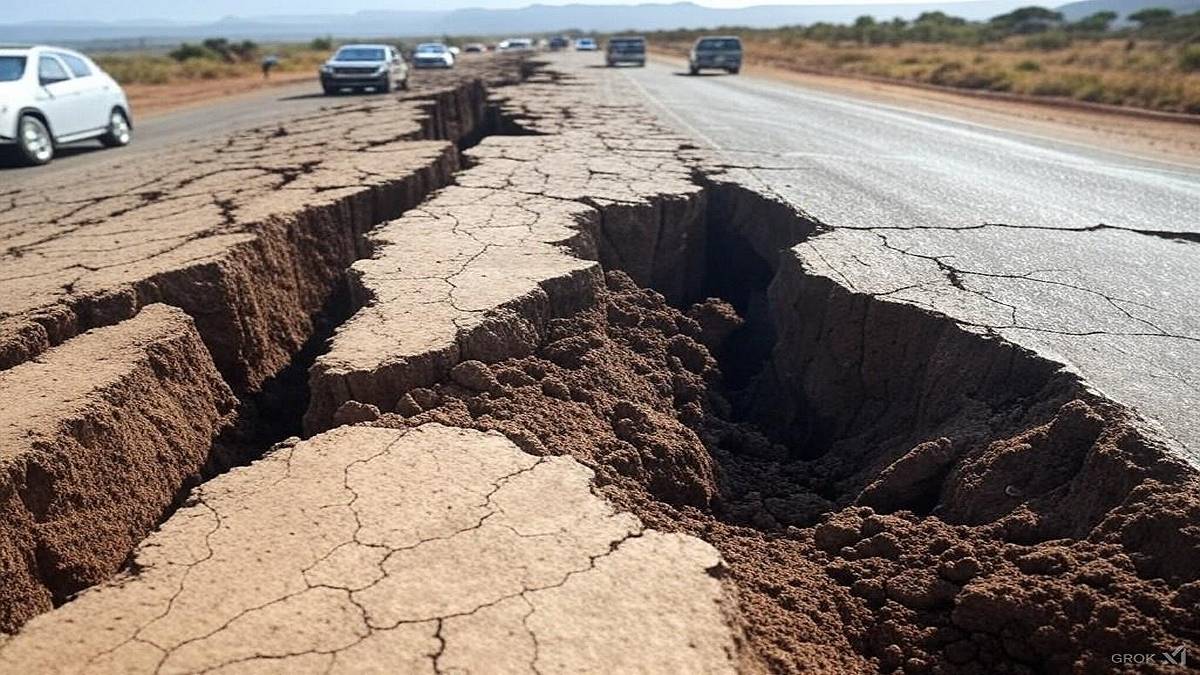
{"x":713,"y":52}
{"x":626,"y":50}
{"x":370,"y":66}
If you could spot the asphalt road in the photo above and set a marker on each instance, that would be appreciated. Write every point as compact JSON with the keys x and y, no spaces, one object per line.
{"x":166,"y":132}
{"x":1088,"y":256}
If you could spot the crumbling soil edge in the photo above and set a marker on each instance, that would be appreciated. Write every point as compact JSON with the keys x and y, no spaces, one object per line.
{"x":971,"y":395}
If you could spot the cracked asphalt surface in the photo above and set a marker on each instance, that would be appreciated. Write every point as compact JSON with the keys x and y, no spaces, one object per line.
{"x":1086,"y":256}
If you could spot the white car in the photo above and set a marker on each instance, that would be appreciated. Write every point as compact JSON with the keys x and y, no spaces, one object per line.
{"x":433,"y":55}
{"x":517,"y":45}
{"x":586,"y":45}
{"x":51,"y":96}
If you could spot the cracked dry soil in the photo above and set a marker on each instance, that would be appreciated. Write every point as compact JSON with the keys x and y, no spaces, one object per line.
{"x":888,"y":491}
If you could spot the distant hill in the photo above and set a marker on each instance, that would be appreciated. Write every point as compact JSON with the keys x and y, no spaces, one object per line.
{"x":1074,"y":11}
{"x":497,"y":22}
{"x":527,"y":20}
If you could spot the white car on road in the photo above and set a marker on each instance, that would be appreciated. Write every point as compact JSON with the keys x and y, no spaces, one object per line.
{"x":433,"y":55}
{"x":51,"y":96}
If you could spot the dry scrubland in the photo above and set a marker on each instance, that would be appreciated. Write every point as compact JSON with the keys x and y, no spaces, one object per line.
{"x":1155,"y":66}
{"x":1101,"y":72}
{"x":163,"y":69}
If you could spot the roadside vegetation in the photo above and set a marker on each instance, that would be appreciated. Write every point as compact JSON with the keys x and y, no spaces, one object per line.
{"x":212,"y":59}
{"x":1153,"y":62}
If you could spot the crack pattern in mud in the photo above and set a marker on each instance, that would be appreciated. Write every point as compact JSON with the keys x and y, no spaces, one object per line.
{"x":251,"y":231}
{"x":424,"y":551}
{"x":250,"y":237}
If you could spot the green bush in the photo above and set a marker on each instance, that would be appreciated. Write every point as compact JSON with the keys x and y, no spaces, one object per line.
{"x":1048,"y":41}
{"x":1029,"y":66}
{"x":188,"y":52}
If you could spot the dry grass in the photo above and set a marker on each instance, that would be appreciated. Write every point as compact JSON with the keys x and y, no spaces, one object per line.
{"x":1141,"y":74}
{"x":140,"y":68}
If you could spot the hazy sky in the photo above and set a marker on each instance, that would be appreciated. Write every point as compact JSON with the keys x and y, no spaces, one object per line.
{"x":15,"y":11}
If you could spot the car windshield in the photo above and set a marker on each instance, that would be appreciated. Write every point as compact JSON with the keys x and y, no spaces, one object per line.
{"x":360,"y":54}
{"x":430,"y":49}
{"x":714,"y":44}
{"x":627,"y":44}
{"x":11,"y":68}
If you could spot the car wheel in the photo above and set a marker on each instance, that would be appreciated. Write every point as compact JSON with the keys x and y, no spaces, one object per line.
{"x":386,"y":85}
{"x":404,"y":83}
{"x":119,"y":132}
{"x":329,"y":90}
{"x":734,"y":71}
{"x":34,"y":142}
{"x":693,"y":70}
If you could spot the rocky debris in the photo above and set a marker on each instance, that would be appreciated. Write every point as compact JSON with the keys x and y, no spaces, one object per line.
{"x":424,"y":551}
{"x":97,"y":437}
{"x":353,"y":412}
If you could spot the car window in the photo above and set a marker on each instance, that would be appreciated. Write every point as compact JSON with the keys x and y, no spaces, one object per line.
{"x":360,"y":54}
{"x":11,"y":68}
{"x":50,"y":69}
{"x":430,"y":49}
{"x":78,"y":67}
{"x":716,"y":43}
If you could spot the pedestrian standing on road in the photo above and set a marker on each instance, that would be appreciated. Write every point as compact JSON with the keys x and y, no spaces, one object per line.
{"x":268,"y":63}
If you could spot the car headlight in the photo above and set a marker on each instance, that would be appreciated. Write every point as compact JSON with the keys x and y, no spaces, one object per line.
{"x":382,"y":68}
{"x":326,"y":68}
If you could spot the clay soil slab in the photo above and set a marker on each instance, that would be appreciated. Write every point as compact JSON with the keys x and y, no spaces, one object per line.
{"x":97,"y":436}
{"x":380,"y":549}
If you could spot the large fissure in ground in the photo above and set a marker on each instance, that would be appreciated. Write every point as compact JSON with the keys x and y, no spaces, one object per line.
{"x":889,"y":490}
{"x":275,"y":411}
{"x":250,"y":311}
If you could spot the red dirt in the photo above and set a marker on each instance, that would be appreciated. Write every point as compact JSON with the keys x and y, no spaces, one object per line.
{"x":630,"y":389}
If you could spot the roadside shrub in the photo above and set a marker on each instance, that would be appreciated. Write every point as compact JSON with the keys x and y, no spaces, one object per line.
{"x":1070,"y":85}
{"x":1029,"y":66}
{"x":188,"y":52}
{"x":1189,"y":59}
{"x":1048,"y":41}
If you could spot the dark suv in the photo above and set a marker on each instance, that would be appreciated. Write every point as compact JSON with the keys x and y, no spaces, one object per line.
{"x":723,"y":52}
{"x":626,"y":50}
